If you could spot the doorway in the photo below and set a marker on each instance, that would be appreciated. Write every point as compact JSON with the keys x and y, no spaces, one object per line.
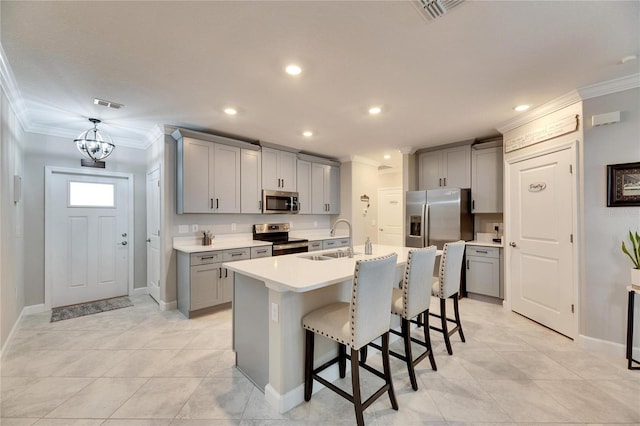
{"x":541,"y":268}
{"x":390,"y":216}
{"x":88,"y":236}
{"x":153,"y":234}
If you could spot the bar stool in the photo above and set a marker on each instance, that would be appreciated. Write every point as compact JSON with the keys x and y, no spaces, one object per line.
{"x":355,"y":324}
{"x":447,"y":285}
{"x":410,"y":301}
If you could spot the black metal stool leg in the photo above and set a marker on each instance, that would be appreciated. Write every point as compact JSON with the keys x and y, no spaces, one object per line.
{"x":406,"y":335}
{"x":457,"y":316}
{"x":355,"y":383}
{"x":427,"y":340}
{"x":387,"y":370}
{"x":443,"y":321}
{"x":342,"y":360}
{"x":308,"y":365}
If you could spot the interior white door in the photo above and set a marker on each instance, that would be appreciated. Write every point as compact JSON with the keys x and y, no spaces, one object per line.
{"x":390,"y":216}
{"x":89,"y":237}
{"x":541,"y":254}
{"x":153,"y":234}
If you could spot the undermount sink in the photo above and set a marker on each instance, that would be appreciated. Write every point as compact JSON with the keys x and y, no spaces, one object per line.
{"x":316,"y":257}
{"x":329,"y":255}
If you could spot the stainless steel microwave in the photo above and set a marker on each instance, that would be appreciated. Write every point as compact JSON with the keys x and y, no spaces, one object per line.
{"x":279,"y":202}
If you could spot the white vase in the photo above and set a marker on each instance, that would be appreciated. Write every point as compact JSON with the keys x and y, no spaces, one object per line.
{"x":635,"y":278}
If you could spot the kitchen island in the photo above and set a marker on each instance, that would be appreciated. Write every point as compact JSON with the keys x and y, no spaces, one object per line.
{"x":271,"y":295}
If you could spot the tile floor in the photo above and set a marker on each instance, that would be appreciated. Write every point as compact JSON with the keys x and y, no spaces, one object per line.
{"x":141,"y":366}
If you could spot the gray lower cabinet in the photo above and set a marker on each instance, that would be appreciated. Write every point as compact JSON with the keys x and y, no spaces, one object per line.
{"x":335,"y":243}
{"x":203,"y":283}
{"x":315,"y":245}
{"x":484,"y":271}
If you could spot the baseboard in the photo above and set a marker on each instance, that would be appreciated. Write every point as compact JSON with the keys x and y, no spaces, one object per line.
{"x":11,"y":334}
{"x":140,"y":291}
{"x":606,"y":347}
{"x":168,"y":306}
{"x":295,"y":397}
{"x":34,"y":309}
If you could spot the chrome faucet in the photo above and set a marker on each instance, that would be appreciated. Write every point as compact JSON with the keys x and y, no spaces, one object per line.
{"x":333,"y":232}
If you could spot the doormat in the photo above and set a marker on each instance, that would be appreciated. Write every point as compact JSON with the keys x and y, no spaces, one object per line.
{"x":81,"y":309}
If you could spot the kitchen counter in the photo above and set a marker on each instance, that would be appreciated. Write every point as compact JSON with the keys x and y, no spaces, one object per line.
{"x":270,"y":298}
{"x":484,"y":243}
{"x":220,"y":242}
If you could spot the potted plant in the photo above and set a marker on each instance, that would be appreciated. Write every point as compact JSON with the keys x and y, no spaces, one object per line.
{"x":634,"y":255}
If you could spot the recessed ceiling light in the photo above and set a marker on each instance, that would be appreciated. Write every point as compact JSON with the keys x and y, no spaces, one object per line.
{"x":375,"y":110}
{"x":293,"y":69}
{"x":230,"y":111}
{"x":307,"y":133}
{"x":521,"y":108}
{"x":387,"y":156}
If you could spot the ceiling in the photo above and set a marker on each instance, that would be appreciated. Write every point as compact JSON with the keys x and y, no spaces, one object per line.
{"x":181,"y":63}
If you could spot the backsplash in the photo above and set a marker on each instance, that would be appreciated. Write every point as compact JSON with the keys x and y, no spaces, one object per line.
{"x":484,"y":223}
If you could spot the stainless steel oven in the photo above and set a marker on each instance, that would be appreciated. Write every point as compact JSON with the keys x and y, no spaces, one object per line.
{"x":279,"y":202}
{"x":278,"y":234}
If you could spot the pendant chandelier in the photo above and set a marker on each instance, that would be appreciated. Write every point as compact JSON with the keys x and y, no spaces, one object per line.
{"x":94,"y":144}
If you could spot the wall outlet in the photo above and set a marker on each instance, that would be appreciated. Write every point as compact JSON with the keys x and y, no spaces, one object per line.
{"x":274,"y":312}
{"x":233,"y":226}
{"x":194,"y":228}
{"x":183,"y":229}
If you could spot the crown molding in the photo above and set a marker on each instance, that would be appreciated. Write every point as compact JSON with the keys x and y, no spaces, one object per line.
{"x":154,"y":134}
{"x":359,"y":159}
{"x":407,"y":150}
{"x":62,"y":133}
{"x":8,"y":82}
{"x":588,"y":92}
{"x":608,"y":87}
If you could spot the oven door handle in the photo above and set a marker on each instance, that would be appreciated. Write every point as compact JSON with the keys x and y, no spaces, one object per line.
{"x":290,"y":246}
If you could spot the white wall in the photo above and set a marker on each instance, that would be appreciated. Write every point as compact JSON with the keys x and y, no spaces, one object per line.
{"x":41,"y":151}
{"x":11,"y":221}
{"x":606,"y":268}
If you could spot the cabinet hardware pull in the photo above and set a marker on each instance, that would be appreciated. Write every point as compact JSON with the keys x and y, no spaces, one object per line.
{"x":217,"y":203}
{"x":467,"y":263}
{"x":283,"y":183}
{"x":219,"y":272}
{"x":261,"y":251}
{"x":212,"y":203}
{"x":206,"y":257}
{"x":236,"y":254}
{"x":259,"y":205}
{"x":445,"y":182}
{"x":481,"y":251}
{"x":440,"y":182}
{"x":473,"y":204}
{"x":226,"y":273}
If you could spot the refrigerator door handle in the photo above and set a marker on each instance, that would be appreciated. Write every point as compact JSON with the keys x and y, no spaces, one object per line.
{"x":425,"y":225}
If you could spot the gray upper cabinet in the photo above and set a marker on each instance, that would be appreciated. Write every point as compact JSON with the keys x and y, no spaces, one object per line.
{"x":487,"y":180}
{"x":278,"y":170}
{"x":208,"y":176}
{"x":304,"y":186}
{"x":251,"y":181}
{"x":325,"y":189}
{"x":445,"y":168}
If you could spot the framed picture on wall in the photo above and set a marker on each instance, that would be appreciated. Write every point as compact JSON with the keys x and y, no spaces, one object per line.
{"x":623,"y":185}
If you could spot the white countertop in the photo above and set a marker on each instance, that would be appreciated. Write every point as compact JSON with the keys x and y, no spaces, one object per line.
{"x":318,"y":234}
{"x":295,"y":273}
{"x":194,"y":244}
{"x":484,"y":243}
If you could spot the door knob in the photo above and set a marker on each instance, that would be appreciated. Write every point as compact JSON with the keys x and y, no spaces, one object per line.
{"x":513,"y":244}
{"x":148,"y":240}
{"x":124,"y":235}
{"x":381,"y":230}
{"x":124,"y":243}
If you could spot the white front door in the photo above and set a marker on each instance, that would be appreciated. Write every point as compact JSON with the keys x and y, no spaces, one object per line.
{"x":88,"y":236}
{"x":390,"y":216}
{"x":153,"y":234}
{"x":540,"y":240}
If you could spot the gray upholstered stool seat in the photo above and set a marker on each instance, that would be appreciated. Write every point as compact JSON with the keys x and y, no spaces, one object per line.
{"x":410,"y":301}
{"x":355,"y":324}
{"x":447,"y":286}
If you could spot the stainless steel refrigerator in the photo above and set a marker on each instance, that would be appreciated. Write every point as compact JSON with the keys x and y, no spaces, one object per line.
{"x":438,"y":216}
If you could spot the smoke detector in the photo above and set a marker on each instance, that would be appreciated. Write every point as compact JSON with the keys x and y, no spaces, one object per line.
{"x":433,"y":9}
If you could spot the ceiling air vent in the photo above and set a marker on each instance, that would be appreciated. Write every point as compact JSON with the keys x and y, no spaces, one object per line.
{"x":107,"y":104}
{"x":433,"y":9}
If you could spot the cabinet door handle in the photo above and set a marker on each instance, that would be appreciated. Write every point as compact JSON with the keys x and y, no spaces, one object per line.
{"x":467,"y":263}
{"x":226,"y":273}
{"x":481,"y":251}
{"x":219,"y":272}
{"x":261,"y":251}
{"x":283,"y":183}
{"x":260,"y":205}
{"x":236,"y":254}
{"x":473,"y":204}
{"x":217,"y":203}
{"x":212,"y":203}
{"x":440,"y":182}
{"x":445,"y":182}
{"x":206,"y":257}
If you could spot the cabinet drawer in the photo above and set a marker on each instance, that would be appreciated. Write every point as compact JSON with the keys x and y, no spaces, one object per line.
{"x":237,"y":254}
{"x":335,"y":243}
{"x":315,"y":245}
{"x":205,"y":258}
{"x":482,"y":251}
{"x":257,"y":252}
